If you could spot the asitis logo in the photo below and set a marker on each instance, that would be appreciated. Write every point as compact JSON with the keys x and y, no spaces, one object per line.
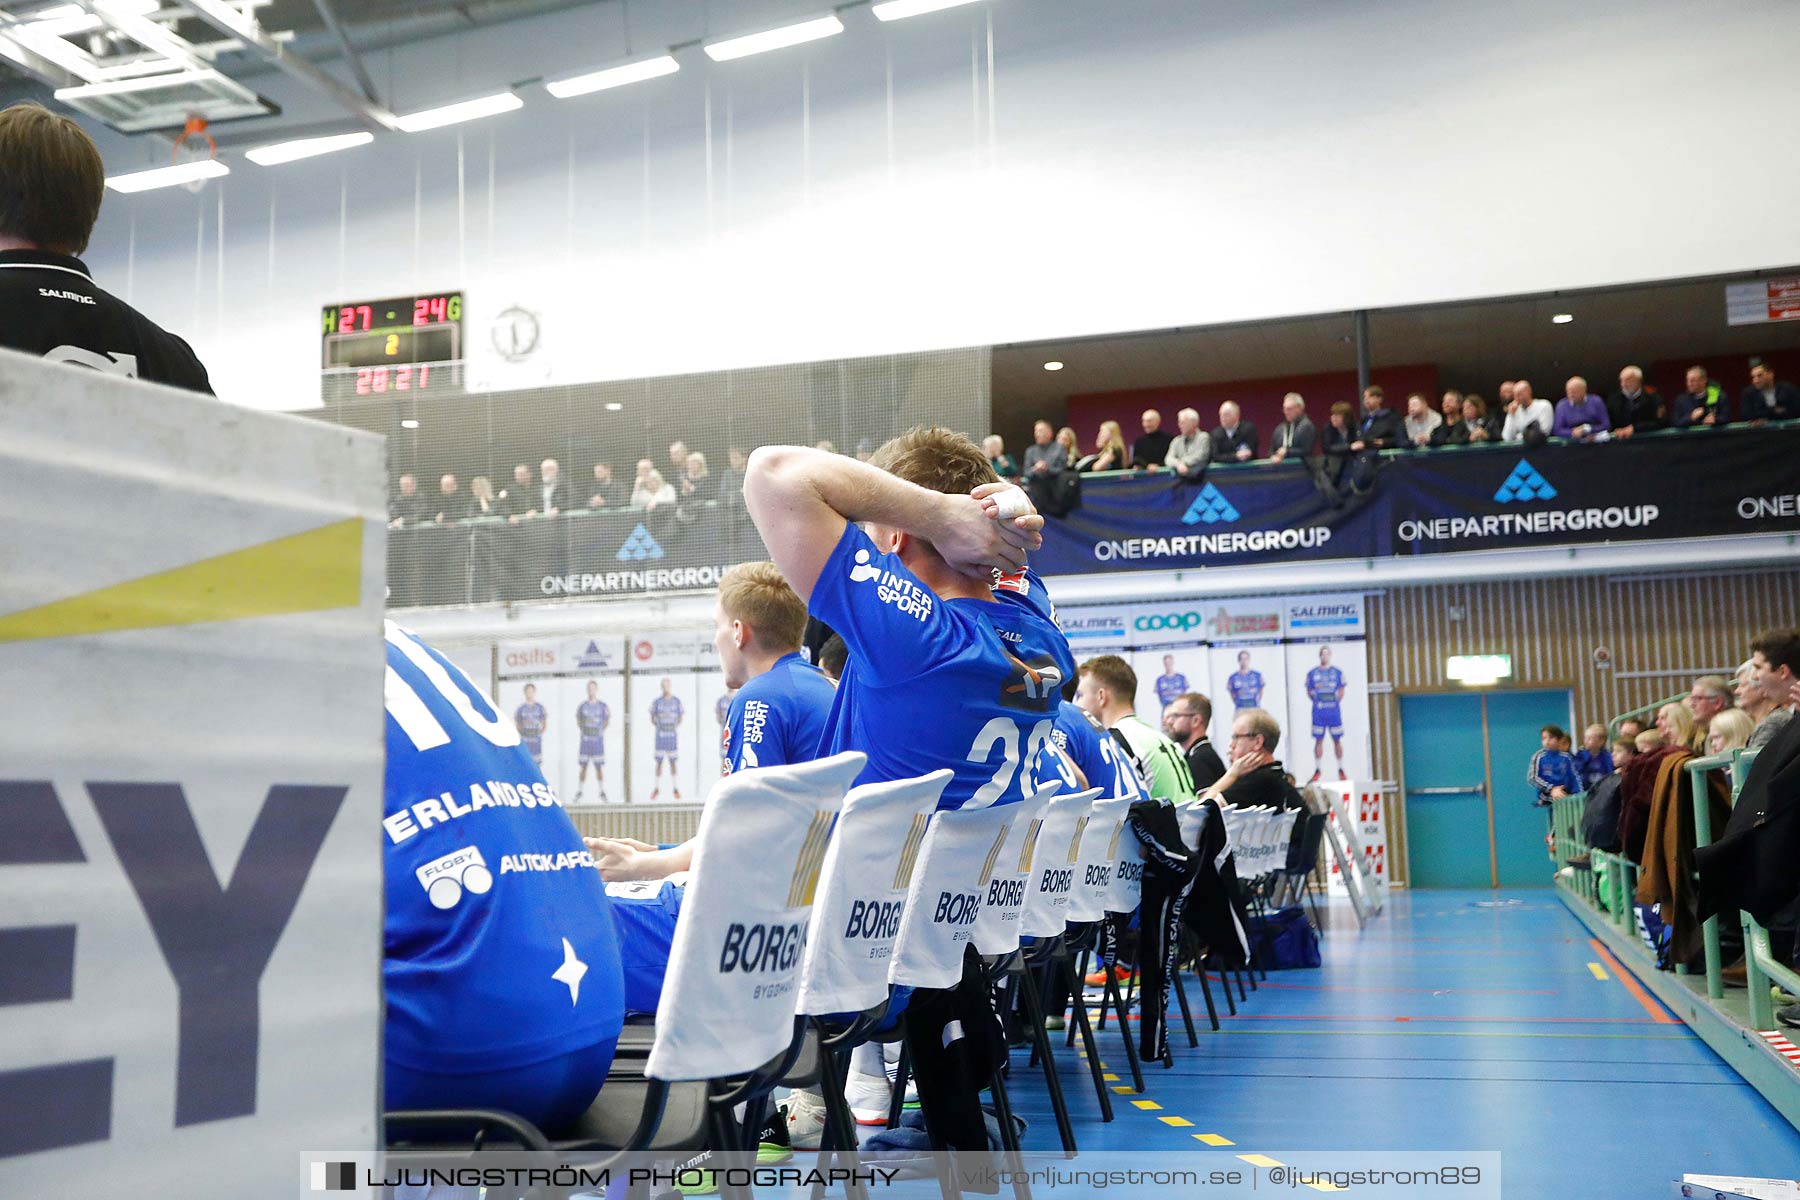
{"x":1524,"y":484}
{"x":1210,"y":507}
{"x":639,"y":546}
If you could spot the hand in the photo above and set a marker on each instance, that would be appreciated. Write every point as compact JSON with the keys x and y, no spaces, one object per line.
{"x":1039,"y":467}
{"x":1150,"y":466}
{"x":1696,"y":415}
{"x":1181,"y":468}
{"x":1557,"y":793}
{"x":1478,"y":435}
{"x":1624,"y":431}
{"x":973,"y":543}
{"x":623,"y":860}
{"x":396,"y":523}
{"x":1243,"y":454}
{"x":1359,"y":444}
{"x":1278,"y":454}
{"x":1711,"y":418}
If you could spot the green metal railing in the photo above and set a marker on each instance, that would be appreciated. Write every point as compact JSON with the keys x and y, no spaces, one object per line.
{"x":1646,"y":713}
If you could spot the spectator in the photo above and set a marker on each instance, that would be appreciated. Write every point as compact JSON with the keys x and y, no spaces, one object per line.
{"x":1420,"y":421}
{"x":1189,"y":453}
{"x":652,"y":492}
{"x":407,"y":507}
{"x":481,"y":499}
{"x":731,"y":479}
{"x":1295,"y":436}
{"x":1629,"y":728}
{"x":1710,"y":696}
{"x":1552,"y":770}
{"x":1453,"y":430}
{"x":1600,"y":815}
{"x":1149,"y":451}
{"x":1109,"y":450}
{"x":1524,"y":413}
{"x":1045,"y":456}
{"x":1634,"y":408}
{"x":1503,"y":395}
{"x":553,"y":493}
{"x":678,"y":454}
{"x":1579,"y":416}
{"x":449,"y":503}
{"x":1185,"y":720}
{"x":1235,"y":439}
{"x":1380,"y":429}
{"x":832,"y":657}
{"x":1703,"y":403}
{"x":606,"y":493}
{"x":1065,"y":437}
{"x":697,"y":487}
{"x":51,"y":185}
{"x":1255,"y":777}
{"x":1675,"y":726}
{"x":1765,"y":691}
{"x":1765,"y":399}
{"x":827,"y":445}
{"x":1593,"y":762}
{"x":1484,"y":426}
{"x":994,"y":446}
{"x":1729,"y":730}
{"x":1340,"y":432}
{"x":515,"y":501}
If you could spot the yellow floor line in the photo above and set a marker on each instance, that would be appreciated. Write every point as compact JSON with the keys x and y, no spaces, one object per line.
{"x":1177,"y":1122}
{"x":1598,"y":970}
{"x":1145,"y":1104}
{"x":1261,"y":1160}
{"x":1123,"y":1088}
{"x":1213,"y":1139}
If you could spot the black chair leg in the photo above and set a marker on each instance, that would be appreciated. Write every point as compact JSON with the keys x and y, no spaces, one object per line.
{"x":1212,"y":1013}
{"x":1081,"y":1025}
{"x":1131,"y":1054}
{"x":1187,"y":1017}
{"x":723,"y":1134}
{"x":897,"y":1102}
{"x":1009,"y":1135}
{"x":1077,"y":1002}
{"x":1040,"y":1040}
{"x":840,"y":1132}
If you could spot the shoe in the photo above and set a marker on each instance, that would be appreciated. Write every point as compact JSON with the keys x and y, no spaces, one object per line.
{"x":1789,"y":1016}
{"x":1736,"y":975}
{"x":654,"y":793}
{"x":1121,"y":975}
{"x":868,"y":1097}
{"x":805,"y":1114}
{"x":1342,"y":778}
{"x":678,"y":793}
{"x":578,"y":795}
{"x":772,"y":1145}
{"x":603,"y":795}
{"x":692,"y":1178}
{"x":1315,"y":777}
{"x":1054,"y":1023}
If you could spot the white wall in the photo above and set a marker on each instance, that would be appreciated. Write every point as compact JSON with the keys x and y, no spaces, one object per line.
{"x":1157,"y":163}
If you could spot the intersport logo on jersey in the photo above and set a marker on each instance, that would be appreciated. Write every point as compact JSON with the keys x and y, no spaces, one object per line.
{"x":1526,"y":485}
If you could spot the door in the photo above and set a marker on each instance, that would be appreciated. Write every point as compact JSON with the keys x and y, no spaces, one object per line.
{"x":1470,"y":821}
{"x":1447,"y":839}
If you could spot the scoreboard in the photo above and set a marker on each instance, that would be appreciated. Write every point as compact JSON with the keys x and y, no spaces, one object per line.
{"x":405,"y":344}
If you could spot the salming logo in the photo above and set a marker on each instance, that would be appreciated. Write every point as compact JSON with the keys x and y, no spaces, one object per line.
{"x":1030,"y":847}
{"x":909,"y":853}
{"x":1075,"y":842}
{"x":993,"y":854}
{"x":812,"y":856}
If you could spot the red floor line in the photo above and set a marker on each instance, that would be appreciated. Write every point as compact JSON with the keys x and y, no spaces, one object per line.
{"x":1321,"y":987}
{"x":1658,"y":1013}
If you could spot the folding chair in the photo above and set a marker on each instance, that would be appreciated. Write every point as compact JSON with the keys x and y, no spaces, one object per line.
{"x":1107,"y":845}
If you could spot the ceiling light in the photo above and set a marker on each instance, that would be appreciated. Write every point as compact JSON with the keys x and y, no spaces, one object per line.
{"x":286,"y":152}
{"x":409,"y":423}
{"x":896,"y":10}
{"x":1053,"y":365}
{"x":773,"y":39}
{"x":454,"y":114}
{"x":615,"y":406}
{"x":1562,"y":318}
{"x":612,"y":77}
{"x":162,"y":177}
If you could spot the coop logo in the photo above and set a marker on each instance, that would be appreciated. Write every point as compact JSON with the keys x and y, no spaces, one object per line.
{"x":592,"y":658}
{"x":1524,"y":484}
{"x":639,"y":546}
{"x":1173,"y":622}
{"x":1210,"y":507}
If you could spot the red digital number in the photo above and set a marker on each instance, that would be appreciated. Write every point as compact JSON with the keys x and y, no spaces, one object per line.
{"x":381,"y":379}
{"x":346,"y":321}
{"x":437,"y":308}
{"x":403,"y":379}
{"x":424,"y":374}
{"x":362,"y":381}
{"x":368,"y":316}
{"x":421,"y":311}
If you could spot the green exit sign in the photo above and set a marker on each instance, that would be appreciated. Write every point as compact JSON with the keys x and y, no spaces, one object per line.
{"x":1474,"y":670}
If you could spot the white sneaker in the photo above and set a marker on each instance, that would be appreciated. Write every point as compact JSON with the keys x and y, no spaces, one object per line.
{"x":869,"y":1097}
{"x":805,"y":1114}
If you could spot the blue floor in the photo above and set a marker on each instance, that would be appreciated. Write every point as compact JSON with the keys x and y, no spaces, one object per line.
{"x":1452,"y":1022}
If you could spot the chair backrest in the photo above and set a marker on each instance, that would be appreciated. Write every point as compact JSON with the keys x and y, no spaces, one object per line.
{"x":862,"y":893}
{"x":1305,"y":855}
{"x":728,"y":996}
{"x":1055,"y":868}
{"x":1127,"y":889}
{"x":1100,"y":834}
{"x":1003,"y":887}
{"x":961,"y":852}
{"x":1192,"y":818}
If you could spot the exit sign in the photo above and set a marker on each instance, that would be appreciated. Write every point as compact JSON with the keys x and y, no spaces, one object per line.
{"x":1475,"y":669}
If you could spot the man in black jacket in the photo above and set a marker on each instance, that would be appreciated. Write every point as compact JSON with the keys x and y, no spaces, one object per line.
{"x":1295,"y":437}
{"x":1380,"y":429}
{"x":1765,"y":399}
{"x":1454,"y":431}
{"x":51,"y":184}
{"x":1635,"y":408}
{"x":1235,"y":439}
{"x":1185,"y":721}
{"x":1255,"y":776}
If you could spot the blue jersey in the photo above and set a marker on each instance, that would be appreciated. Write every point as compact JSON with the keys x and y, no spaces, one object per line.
{"x":592,"y":716}
{"x":967,"y":684}
{"x":500,"y":944}
{"x":531,"y":720}
{"x":665,"y":717}
{"x":1246,"y":688}
{"x":778,"y":717}
{"x":1093,"y":750}
{"x":1170,"y":686}
{"x":1323,"y":684}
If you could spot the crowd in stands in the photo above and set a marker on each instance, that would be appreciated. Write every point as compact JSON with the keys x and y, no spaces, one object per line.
{"x":1637,"y":791}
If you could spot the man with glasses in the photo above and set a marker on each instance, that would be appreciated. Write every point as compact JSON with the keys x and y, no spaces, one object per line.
{"x":1185,"y":720}
{"x":1255,"y":776}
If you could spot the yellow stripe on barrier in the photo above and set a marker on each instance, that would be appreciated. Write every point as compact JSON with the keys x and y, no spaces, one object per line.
{"x":307,"y":572}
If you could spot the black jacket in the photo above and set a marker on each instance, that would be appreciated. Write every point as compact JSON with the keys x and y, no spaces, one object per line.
{"x":1380,"y":430}
{"x":1752,"y":406}
{"x":1226,"y":443}
{"x":1267,"y":785}
{"x":1204,"y":764}
{"x":1451,"y":435}
{"x":50,"y":307}
{"x":1751,"y":865}
{"x":1646,"y":414}
{"x":1600,"y":815}
{"x":1150,"y":449}
{"x":1212,"y":906}
{"x":1298,"y":437}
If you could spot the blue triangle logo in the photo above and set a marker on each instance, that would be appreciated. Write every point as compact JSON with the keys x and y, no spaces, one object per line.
{"x":639,"y":546}
{"x":1524,"y":484}
{"x":1210,"y":507}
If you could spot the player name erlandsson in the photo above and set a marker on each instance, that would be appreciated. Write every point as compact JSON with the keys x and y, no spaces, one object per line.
{"x":1553,"y":521}
{"x":1212,"y":543}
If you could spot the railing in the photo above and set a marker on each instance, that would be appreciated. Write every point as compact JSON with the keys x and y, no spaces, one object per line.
{"x":658,"y":824}
{"x":1648,"y":710}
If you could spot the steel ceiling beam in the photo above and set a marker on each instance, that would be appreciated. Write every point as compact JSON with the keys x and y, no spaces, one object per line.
{"x":328,"y":15}
{"x":231,"y":23}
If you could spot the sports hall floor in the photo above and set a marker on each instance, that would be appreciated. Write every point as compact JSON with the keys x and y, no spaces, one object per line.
{"x":1455,"y":1020}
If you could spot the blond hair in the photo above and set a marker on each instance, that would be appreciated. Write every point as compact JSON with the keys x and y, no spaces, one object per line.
{"x":757,"y":594}
{"x":1114,"y":674}
{"x":1733,"y":727}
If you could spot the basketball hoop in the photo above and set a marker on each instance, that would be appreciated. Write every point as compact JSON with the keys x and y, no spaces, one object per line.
{"x":194,"y":145}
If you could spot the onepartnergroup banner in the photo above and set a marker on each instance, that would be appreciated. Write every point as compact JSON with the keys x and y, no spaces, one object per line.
{"x":1710,"y":484}
{"x":1223,"y":1173}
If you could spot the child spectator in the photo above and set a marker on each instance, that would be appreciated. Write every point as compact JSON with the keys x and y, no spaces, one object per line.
{"x":1592,"y":762}
{"x":1600,"y":816}
{"x":1552,"y":770}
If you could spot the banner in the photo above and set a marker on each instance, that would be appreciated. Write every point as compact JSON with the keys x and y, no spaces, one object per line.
{"x":191,"y":796}
{"x":1667,"y":485}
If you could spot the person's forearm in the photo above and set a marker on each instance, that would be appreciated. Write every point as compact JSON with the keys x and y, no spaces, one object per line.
{"x":852,"y":489}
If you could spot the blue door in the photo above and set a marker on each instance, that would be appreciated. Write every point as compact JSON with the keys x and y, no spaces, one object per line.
{"x":1469,"y":815}
{"x":1447,"y":842}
